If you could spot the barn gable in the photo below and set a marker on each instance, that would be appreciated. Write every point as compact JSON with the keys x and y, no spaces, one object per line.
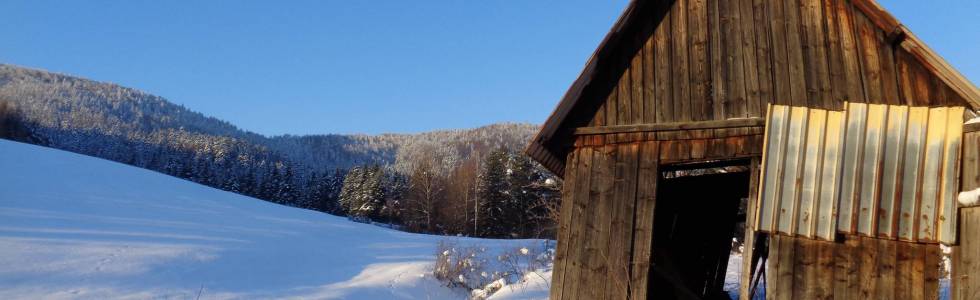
{"x":666,"y":62}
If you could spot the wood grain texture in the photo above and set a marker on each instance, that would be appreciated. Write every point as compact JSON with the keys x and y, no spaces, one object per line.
{"x":965,"y":276}
{"x":646,"y":200}
{"x":680,"y":61}
{"x":704,"y":60}
{"x":854,"y":268}
{"x":700,"y":73}
{"x":565,"y":221}
{"x":714,"y":60}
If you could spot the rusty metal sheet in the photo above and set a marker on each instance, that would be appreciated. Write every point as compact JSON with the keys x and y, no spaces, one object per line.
{"x":769,"y":185}
{"x":809,"y":190}
{"x":833,"y":150}
{"x":915,"y":138}
{"x":857,"y":117}
{"x":871,"y":169}
{"x":950,"y":181}
{"x":797,"y":182}
{"x":877,"y":170}
{"x":891,"y":174}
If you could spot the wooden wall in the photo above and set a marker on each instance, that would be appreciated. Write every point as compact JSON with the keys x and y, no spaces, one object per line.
{"x":852,"y":268}
{"x":604,"y":235}
{"x":966,"y":256}
{"x":714,"y":60}
{"x":856,"y":267}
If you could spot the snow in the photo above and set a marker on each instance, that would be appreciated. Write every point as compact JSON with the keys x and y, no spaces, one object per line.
{"x":969,"y":198}
{"x":534,"y":286}
{"x":77,"y":227}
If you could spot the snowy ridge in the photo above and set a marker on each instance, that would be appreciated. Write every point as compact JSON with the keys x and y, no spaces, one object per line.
{"x":77,"y":227}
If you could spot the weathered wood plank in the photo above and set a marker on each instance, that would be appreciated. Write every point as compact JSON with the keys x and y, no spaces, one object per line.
{"x":870,"y":61}
{"x":772,"y":267}
{"x":636,"y":81}
{"x":850,"y":55}
{"x":777,"y":26}
{"x":835,"y":58}
{"x":966,"y":257}
{"x":846,"y":265}
{"x":646,"y":198}
{"x":716,"y":51}
{"x":825,"y":269}
{"x":794,"y":50}
{"x":597,"y":229}
{"x":885,"y":288}
{"x":565,"y":221}
{"x":649,"y":83}
{"x":620,"y":223}
{"x":672,"y":126}
{"x":680,"y":62}
{"x":663,"y":75}
{"x":958,"y":84}
{"x":876,"y":14}
{"x":917,"y":272}
{"x":581,"y":209}
{"x":904,"y":257}
{"x":815,"y":55}
{"x":867,"y":268}
{"x":755,"y":104}
{"x":697,"y":21}
{"x":750,"y":235}
{"x":624,"y":108}
{"x":785,"y":268}
{"x":763,"y":42}
{"x":805,"y":270}
{"x":970,"y":179}
{"x":612,"y":105}
{"x":931,"y":284}
{"x":734,"y":66}
{"x":889,"y":78}
{"x":906,"y":76}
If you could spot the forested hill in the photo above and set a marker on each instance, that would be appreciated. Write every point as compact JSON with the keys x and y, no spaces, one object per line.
{"x":133,"y":127}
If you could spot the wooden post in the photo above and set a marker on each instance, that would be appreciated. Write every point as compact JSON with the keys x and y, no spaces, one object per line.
{"x":749,"y":241}
{"x":965,"y":280}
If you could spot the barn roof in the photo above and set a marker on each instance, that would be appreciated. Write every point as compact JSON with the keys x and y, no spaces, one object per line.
{"x":553,"y":142}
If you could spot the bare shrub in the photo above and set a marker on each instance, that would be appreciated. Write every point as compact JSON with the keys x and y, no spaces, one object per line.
{"x":461,"y":266}
{"x":484,"y":273}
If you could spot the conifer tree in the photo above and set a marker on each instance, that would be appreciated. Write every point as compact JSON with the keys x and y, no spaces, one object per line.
{"x":492,"y":193}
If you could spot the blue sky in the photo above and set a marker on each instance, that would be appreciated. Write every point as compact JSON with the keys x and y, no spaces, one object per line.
{"x":304,"y":67}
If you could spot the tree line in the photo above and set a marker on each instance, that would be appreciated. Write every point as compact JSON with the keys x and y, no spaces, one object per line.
{"x":468,"y":182}
{"x":502,"y":194}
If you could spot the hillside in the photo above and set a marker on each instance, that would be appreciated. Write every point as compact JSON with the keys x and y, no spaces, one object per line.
{"x":68,"y":104}
{"x":77,"y":227}
{"x":127,"y":125}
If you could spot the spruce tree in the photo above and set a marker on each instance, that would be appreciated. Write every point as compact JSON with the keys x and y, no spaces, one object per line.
{"x":492,"y":193}
{"x":521,"y":178}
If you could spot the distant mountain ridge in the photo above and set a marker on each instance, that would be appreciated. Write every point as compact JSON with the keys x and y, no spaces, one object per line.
{"x":127,"y":125}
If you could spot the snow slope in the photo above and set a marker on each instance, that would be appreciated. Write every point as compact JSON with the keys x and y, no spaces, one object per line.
{"x":77,"y":227}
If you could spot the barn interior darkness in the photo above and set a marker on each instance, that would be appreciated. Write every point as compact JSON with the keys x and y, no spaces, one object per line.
{"x":700,"y":208}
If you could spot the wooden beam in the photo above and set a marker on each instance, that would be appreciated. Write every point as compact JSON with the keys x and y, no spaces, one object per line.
{"x":733,"y":123}
{"x":877,"y":14}
{"x":942,"y":69}
{"x":972,"y":127}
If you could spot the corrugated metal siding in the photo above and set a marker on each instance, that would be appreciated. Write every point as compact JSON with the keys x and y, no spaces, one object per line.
{"x":877,"y":170}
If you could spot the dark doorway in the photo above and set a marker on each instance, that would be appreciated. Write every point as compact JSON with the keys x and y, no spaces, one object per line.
{"x":694,"y":222}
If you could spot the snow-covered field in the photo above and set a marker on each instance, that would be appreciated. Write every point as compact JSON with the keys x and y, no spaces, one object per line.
{"x":77,"y":227}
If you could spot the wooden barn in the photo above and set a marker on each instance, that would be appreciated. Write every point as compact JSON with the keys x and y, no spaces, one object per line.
{"x":821,"y":133}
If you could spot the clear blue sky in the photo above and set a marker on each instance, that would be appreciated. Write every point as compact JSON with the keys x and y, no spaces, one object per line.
{"x":303,"y":67}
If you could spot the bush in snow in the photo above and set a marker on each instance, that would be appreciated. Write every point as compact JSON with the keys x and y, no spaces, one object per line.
{"x":461,"y":266}
{"x":485,"y":273}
